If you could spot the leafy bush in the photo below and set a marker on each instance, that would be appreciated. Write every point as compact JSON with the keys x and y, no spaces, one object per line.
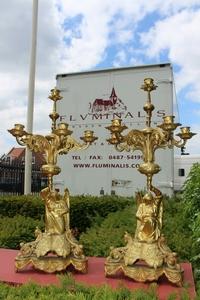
{"x":191,"y":193}
{"x":99,"y":238}
{"x":18,"y":229}
{"x":104,"y":231}
{"x":175,"y":228}
{"x":181,"y":234}
{"x":27,"y":206}
{"x":191,"y":198}
{"x":83,"y":209}
{"x":90,"y":213}
{"x":196,"y":247}
{"x":107,"y":229}
{"x":71,"y":290}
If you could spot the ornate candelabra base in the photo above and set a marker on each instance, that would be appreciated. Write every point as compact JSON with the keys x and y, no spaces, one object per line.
{"x":144,"y":262}
{"x":144,"y":273}
{"x":51,"y":253}
{"x":51,"y":264}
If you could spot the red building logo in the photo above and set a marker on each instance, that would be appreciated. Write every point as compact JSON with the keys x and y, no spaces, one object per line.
{"x":114,"y":103}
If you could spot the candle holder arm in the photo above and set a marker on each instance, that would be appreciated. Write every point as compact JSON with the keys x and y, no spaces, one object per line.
{"x":69,"y":144}
{"x":19,"y":141}
{"x":177,"y":143}
{"x":36,"y":143}
{"x":125,"y":147}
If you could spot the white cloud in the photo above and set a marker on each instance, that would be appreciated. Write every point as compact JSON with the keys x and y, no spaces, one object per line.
{"x":173,"y":6}
{"x":120,"y":58}
{"x":179,"y":35}
{"x":101,"y":24}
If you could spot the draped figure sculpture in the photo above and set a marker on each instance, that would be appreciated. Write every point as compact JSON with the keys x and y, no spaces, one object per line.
{"x":56,"y":211}
{"x":54,"y":238}
{"x":149,"y":218}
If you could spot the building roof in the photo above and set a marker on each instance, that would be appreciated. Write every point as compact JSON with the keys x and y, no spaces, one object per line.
{"x":167,"y":64}
{"x":16,"y":152}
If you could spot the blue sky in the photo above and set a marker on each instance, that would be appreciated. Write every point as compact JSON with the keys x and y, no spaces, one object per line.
{"x":78,"y":35}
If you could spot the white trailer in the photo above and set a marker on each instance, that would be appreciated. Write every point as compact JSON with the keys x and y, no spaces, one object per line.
{"x":90,"y":101}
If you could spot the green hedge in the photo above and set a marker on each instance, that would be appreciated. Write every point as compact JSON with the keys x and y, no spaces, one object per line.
{"x":101,"y":221}
{"x":98,"y":239}
{"x":18,"y":229}
{"x":70,"y":290}
{"x":191,"y":198}
{"x":177,"y":229}
{"x":84,"y":209}
{"x":105,"y":218}
{"x":27,"y":206}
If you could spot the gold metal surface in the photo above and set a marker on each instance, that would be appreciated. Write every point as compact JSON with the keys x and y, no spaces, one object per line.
{"x":148,"y":245}
{"x":55,"y":248}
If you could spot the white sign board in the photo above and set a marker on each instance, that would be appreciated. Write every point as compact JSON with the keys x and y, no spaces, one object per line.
{"x":90,"y":101}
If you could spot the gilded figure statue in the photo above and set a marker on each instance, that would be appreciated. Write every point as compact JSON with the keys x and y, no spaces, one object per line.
{"x":149,"y":218}
{"x":56,"y":211}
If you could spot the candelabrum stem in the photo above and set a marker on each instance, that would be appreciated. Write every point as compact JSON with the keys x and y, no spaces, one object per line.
{"x":148,"y":122}
{"x":54,"y":121}
{"x":50,"y":182}
{"x":149,"y":182}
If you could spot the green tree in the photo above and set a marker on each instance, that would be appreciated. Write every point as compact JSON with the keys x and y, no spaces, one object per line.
{"x":191,"y":198}
{"x":191,"y":193}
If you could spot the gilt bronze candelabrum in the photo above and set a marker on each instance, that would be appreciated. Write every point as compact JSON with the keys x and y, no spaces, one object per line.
{"x":56,"y":248}
{"x":146,"y":255}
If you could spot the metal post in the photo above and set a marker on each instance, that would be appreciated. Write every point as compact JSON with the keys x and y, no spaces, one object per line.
{"x":31,"y":89}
